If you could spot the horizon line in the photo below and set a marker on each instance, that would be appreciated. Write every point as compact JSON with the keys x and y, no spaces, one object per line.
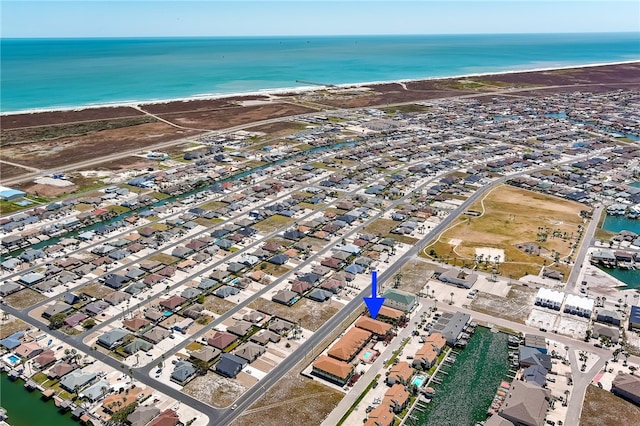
{"x":307,"y":35}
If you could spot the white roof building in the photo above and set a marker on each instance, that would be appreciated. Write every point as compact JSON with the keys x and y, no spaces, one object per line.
{"x":549,"y":298}
{"x":578,"y":305}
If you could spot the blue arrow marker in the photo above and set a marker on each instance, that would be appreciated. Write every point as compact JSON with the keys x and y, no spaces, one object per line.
{"x":374,"y":303}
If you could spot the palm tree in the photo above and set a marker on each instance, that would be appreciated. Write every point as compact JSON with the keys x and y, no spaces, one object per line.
{"x":451,"y":303}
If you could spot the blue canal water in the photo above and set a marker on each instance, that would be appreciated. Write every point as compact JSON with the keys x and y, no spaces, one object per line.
{"x":621,"y":223}
{"x":26,"y":408}
{"x":631,"y":277}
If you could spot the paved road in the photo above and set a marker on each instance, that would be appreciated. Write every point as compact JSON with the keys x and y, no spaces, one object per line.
{"x":587,"y":241}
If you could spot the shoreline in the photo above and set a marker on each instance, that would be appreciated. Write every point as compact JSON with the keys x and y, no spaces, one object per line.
{"x":299,"y":89}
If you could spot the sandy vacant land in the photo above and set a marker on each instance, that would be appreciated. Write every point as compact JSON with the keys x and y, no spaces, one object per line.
{"x":8,"y":327}
{"x":311,"y":314}
{"x":217,"y":305}
{"x":515,"y":307}
{"x":16,"y":121}
{"x":215,"y":119}
{"x":23,"y":298}
{"x":602,"y":408}
{"x":512,"y":217}
{"x":215,"y":390}
{"x":51,"y":153}
{"x":415,"y":275}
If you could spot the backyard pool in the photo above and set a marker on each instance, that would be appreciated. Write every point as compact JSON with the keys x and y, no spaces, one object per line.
{"x":11,"y":358}
{"x":168,"y":313}
{"x":418,"y":380}
{"x":366,"y":355}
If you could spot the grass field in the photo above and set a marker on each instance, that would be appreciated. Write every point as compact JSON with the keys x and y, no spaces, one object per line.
{"x":23,"y":298}
{"x":96,"y":290}
{"x":310,"y":314}
{"x":7,"y":328}
{"x":602,"y":408}
{"x":167,"y":259}
{"x":380,"y":227}
{"x":512,"y":216}
{"x":273,"y":223}
{"x":274,"y":270}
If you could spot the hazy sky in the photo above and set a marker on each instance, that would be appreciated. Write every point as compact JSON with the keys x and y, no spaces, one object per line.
{"x":146,"y":18}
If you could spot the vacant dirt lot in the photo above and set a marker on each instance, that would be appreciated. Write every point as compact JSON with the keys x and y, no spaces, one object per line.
{"x":215,"y":390}
{"x":16,"y":121}
{"x":8,"y":171}
{"x":222,"y":118}
{"x":310,"y":314}
{"x":217,"y":305}
{"x":512,"y":216}
{"x":7,"y":328}
{"x":23,"y":298}
{"x":515,"y":307}
{"x":415,"y":275}
{"x":96,"y":290}
{"x":602,"y":408}
{"x":49,"y":154}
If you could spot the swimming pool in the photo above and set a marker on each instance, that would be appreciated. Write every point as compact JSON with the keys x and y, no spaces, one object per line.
{"x":13,"y":358}
{"x":168,"y":313}
{"x":418,"y":380}
{"x":366,"y":355}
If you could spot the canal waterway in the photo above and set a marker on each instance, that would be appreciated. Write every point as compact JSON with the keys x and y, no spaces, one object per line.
{"x":467,"y":391}
{"x":621,"y":223}
{"x":26,"y":408}
{"x":631,"y":277}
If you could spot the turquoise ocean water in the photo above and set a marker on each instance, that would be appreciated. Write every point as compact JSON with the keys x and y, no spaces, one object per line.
{"x":63,"y":73}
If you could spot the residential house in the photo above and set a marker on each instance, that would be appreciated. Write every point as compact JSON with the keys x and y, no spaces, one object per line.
{"x":526,"y":404}
{"x":28,"y":350}
{"x":183,"y":372}
{"x":77,"y":379}
{"x":166,"y":418}
{"x":112,"y":338}
{"x":230,"y":365}
{"x":350,"y":344}
{"x":627,"y":386}
{"x":381,"y":416}
{"x":378,"y":328}
{"x":333,"y":370}
{"x":142,"y":415}
{"x":401,"y":300}
{"x":399,"y":373}
{"x":206,"y":354}
{"x":397,"y":398}
{"x":221,"y":340}
{"x":249,"y":351}
{"x":45,"y":359}
{"x":156,"y":334}
{"x":172,"y":302}
{"x":60,"y":370}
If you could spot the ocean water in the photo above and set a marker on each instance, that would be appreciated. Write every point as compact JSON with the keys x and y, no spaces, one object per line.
{"x":63,"y":73}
